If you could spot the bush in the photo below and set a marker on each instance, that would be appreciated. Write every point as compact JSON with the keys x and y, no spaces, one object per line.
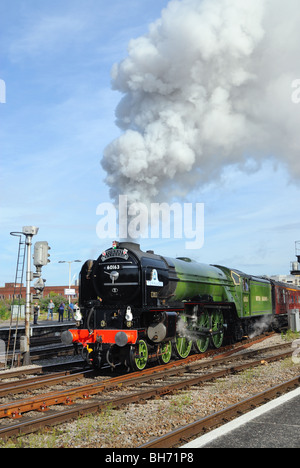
{"x":5,"y":305}
{"x":4,"y":310}
{"x":56,"y":298}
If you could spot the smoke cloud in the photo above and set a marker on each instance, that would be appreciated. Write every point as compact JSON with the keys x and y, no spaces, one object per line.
{"x":209,"y":86}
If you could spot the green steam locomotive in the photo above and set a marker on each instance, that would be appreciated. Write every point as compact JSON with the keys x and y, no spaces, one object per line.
{"x":138,"y":306}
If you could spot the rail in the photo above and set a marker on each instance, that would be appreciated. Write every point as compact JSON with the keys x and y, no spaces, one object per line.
{"x":205,"y":424}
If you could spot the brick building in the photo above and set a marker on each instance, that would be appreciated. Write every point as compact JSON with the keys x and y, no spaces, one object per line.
{"x":7,"y":291}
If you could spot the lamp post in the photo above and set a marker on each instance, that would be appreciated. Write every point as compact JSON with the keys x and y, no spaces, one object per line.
{"x":69,"y":262}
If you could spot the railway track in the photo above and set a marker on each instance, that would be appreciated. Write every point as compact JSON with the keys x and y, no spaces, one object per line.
{"x":27,"y":384}
{"x":230,"y":349}
{"x":59,"y":406}
{"x":202,"y":426}
{"x":46,"y":351}
{"x":44,"y":342}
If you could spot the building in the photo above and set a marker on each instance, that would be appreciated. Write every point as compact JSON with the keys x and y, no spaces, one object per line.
{"x":294,"y":278}
{"x":7,"y":291}
{"x":289,"y":279}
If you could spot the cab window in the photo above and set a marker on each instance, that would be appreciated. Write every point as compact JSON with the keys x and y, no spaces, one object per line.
{"x":236,"y":278}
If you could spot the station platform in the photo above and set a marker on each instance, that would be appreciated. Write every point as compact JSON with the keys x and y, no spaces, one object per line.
{"x":41,"y":323}
{"x":42,"y":328}
{"x":273,"y":425}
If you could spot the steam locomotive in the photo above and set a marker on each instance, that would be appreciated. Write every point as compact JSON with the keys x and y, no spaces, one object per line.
{"x":137,"y":307}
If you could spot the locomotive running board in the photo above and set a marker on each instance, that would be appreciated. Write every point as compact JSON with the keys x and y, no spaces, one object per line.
{"x":103,"y":336}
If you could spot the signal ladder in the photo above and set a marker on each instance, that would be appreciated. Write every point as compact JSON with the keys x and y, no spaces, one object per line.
{"x":16,"y":306}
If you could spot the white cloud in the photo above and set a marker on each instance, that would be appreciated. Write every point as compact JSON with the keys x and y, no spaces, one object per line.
{"x":59,"y":116}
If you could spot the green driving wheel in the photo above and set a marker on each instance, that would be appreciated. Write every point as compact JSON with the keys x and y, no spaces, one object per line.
{"x":165,"y":352}
{"x":202,"y":326}
{"x":217,"y":326}
{"x":183,"y":344}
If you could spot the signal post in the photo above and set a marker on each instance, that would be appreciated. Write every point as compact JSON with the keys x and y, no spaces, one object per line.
{"x":40,"y":259}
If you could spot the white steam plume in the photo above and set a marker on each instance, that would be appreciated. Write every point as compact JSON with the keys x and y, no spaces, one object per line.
{"x":210,"y":85}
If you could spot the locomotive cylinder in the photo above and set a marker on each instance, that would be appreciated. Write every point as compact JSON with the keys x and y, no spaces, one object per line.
{"x":164,"y":330}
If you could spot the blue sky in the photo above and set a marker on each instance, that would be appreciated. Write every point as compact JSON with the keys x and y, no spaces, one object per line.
{"x":59,"y":115}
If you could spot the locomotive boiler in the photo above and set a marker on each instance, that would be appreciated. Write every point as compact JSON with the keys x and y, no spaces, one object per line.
{"x":138,"y":306}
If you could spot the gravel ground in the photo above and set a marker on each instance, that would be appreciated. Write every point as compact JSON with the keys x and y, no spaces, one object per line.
{"x":136,"y":424}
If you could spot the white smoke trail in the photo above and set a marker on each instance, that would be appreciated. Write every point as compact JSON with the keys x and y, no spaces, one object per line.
{"x":261,"y":326}
{"x":207,"y":87}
